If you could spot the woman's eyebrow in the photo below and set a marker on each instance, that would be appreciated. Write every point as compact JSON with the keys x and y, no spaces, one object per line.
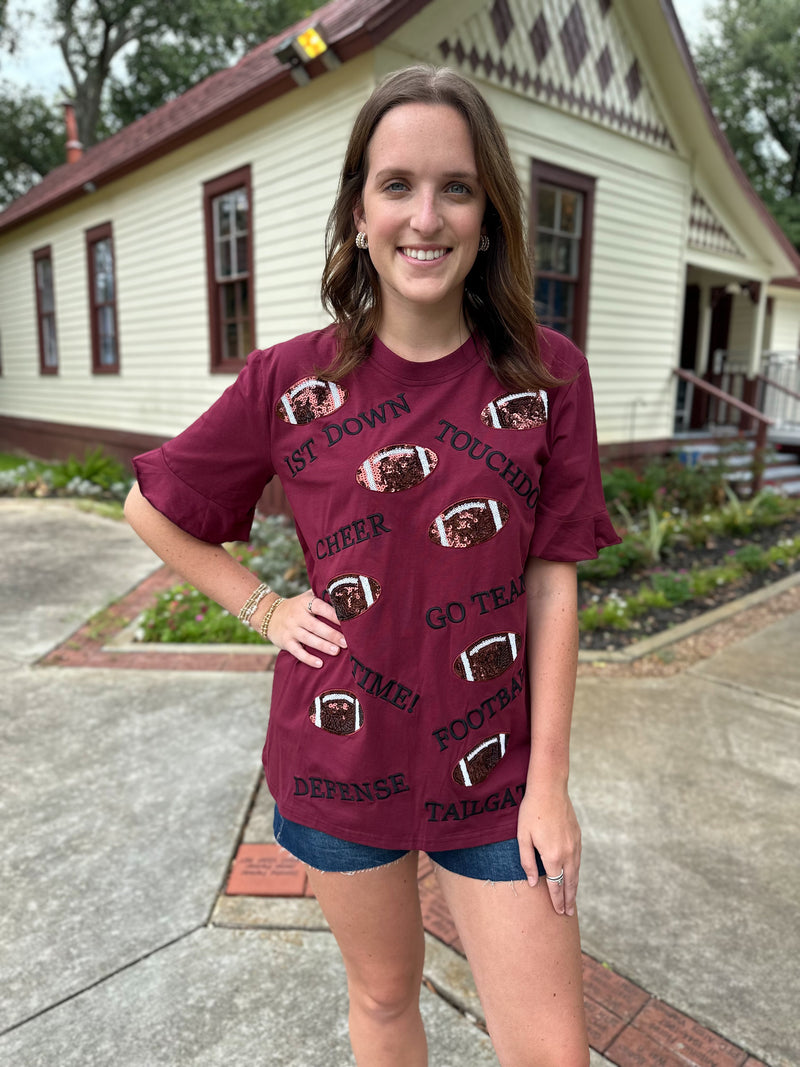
{"x":402,"y":172}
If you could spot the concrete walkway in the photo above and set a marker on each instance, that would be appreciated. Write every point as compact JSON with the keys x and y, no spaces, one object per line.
{"x":125,"y":795}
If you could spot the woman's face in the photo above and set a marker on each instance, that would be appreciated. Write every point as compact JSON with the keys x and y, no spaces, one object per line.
{"x":422,"y":208}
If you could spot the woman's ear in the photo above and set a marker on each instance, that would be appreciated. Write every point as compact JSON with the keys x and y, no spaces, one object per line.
{"x":358,"y":216}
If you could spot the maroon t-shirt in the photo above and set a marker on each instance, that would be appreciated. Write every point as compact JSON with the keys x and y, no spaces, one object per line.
{"x":419,"y":490}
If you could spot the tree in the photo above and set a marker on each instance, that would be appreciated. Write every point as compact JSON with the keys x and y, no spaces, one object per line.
{"x":123,"y":58}
{"x":31,"y":141}
{"x":750,"y":64}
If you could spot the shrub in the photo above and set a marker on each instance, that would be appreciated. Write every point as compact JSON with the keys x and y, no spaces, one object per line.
{"x":96,"y":476}
{"x":184,"y":615}
{"x":629,"y":554}
{"x":277,"y":555}
{"x":675,"y":588}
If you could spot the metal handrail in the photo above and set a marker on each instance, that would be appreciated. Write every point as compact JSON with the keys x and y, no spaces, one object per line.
{"x":762,"y":421}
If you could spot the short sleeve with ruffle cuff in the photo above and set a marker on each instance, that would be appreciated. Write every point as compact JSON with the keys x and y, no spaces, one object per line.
{"x":572,"y":522}
{"x":565,"y":541}
{"x":209,"y":478}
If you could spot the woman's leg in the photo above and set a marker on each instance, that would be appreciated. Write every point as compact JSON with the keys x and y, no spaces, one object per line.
{"x":376,"y":919}
{"x":526,"y":961}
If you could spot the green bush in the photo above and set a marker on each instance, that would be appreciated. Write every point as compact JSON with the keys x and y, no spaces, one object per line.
{"x":95,"y":467}
{"x":96,"y":476}
{"x":667,"y":484}
{"x":674,"y":588}
{"x":183,"y":615}
{"x":277,"y":555}
{"x":628,"y":555}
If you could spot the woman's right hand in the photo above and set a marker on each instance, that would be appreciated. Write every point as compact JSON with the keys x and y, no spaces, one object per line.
{"x":298,"y":625}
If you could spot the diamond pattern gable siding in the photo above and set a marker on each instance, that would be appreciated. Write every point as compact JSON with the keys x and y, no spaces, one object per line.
{"x":707,"y":232}
{"x":569,"y":54}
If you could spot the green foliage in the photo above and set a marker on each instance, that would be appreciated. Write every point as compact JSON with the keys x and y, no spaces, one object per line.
{"x":183,"y":615}
{"x":674,"y":588}
{"x":31,"y":140}
{"x":667,"y":484}
{"x":95,"y":467}
{"x":165,"y":49}
{"x":206,"y":36}
{"x":752,"y":558}
{"x":96,"y":476}
{"x":667,"y":589}
{"x":750,"y":63}
{"x":278,"y":556}
{"x":628,"y":555}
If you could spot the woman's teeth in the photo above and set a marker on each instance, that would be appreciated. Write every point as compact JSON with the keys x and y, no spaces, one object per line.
{"x":431,"y":253}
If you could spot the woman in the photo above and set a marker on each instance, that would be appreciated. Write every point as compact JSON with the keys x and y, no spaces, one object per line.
{"x":438,"y":451}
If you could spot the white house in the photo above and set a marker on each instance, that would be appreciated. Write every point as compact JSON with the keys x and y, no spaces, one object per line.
{"x":134,"y":280}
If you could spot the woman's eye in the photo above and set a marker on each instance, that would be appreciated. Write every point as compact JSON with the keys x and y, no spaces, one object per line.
{"x":459,"y":188}
{"x":395,"y":187}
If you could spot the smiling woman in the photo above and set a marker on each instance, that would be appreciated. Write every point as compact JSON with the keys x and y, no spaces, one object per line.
{"x":437,"y":448}
{"x":423,"y":226}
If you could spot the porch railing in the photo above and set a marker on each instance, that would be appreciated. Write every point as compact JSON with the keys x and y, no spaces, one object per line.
{"x":779,"y":387}
{"x":747,"y":417}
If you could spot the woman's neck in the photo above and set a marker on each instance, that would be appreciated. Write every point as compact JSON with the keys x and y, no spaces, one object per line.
{"x":423,"y":338}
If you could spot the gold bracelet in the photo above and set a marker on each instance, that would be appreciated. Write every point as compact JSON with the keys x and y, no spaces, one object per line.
{"x":252,"y":602}
{"x":264,"y":627}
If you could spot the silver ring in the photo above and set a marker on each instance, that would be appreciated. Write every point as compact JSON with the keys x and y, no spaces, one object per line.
{"x":309,"y":608}
{"x":559,"y":878}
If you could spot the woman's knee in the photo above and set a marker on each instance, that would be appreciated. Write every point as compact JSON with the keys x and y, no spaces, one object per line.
{"x":386,"y":997}
{"x":511,"y":1053}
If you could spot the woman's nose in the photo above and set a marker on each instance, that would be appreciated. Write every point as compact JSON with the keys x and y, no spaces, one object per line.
{"x":426,"y":217}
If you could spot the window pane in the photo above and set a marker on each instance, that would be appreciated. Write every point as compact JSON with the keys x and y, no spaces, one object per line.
{"x":547,"y":206}
{"x":103,"y":272}
{"x":566,"y":259}
{"x":224,"y":259}
{"x":222,"y":215}
{"x":231,"y":341}
{"x":108,"y":342}
{"x":571,"y":204}
{"x":563,"y":295}
{"x":241,"y":255}
{"x":228,"y":301}
{"x":542,"y":299}
{"x":232,"y":248}
{"x":49,"y":338}
{"x":241,"y":210}
{"x":44,"y":278}
{"x":544,"y":250}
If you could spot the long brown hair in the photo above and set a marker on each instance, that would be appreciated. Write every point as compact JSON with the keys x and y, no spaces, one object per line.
{"x":498,"y":291}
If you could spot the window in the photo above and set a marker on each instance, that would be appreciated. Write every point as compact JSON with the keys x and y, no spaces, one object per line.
{"x":561,"y":215}
{"x":103,"y":300}
{"x":229,"y":258}
{"x":45,"y":310}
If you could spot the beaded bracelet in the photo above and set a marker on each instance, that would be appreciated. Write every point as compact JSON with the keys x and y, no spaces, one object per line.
{"x":268,"y":617}
{"x":252,"y":602}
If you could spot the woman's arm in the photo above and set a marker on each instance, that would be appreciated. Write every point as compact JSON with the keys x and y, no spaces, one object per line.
{"x":216,"y":573}
{"x":546,"y":818}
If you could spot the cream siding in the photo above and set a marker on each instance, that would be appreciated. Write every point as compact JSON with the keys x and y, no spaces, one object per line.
{"x":740,"y":334}
{"x":636,"y":289}
{"x":785,"y":332}
{"x":294,"y":147}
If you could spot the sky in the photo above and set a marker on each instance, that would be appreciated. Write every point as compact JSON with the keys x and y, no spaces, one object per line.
{"x":39,"y":64}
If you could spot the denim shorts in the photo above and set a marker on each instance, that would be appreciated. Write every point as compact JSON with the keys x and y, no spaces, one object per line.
{"x":497,"y":862}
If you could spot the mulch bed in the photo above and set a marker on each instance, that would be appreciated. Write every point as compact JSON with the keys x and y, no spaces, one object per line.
{"x":685,"y":558}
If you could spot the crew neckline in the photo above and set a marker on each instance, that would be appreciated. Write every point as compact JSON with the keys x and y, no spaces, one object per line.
{"x":437,"y":370}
